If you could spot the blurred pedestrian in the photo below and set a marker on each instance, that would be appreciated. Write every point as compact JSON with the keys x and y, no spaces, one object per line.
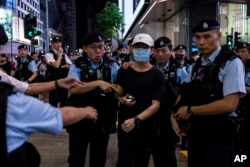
{"x":58,"y":64}
{"x":5,"y":64}
{"x":243,"y":147}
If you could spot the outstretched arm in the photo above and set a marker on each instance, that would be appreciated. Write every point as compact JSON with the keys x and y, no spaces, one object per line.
{"x":89,"y":86}
{"x":66,"y":83}
{"x":72,"y":115}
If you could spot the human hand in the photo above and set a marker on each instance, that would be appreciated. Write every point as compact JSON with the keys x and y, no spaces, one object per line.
{"x":181,"y":113}
{"x":128,"y":102}
{"x":106,"y":86}
{"x":68,"y":83}
{"x":125,"y":65}
{"x":175,"y":125}
{"x":91,"y":113}
{"x":128,"y":125}
{"x":60,"y":51}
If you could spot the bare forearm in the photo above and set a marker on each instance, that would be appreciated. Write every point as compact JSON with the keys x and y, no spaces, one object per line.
{"x":71,"y":115}
{"x":150,"y":111}
{"x":36,"y":88}
{"x":87,"y":87}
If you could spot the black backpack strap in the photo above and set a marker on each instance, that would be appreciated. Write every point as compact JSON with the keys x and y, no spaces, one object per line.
{"x":5,"y":90}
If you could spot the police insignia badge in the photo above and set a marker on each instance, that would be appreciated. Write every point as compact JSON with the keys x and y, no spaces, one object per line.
{"x":162,"y":43}
{"x":205,"y":25}
{"x":99,"y":37}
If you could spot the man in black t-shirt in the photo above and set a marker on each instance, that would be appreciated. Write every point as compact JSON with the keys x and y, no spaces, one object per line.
{"x":137,"y":120}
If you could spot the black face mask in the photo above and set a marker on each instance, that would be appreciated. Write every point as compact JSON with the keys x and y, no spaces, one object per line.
{"x":179,"y":56}
{"x":123,"y":55}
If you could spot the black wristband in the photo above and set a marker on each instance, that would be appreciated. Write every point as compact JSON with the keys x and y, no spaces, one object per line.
{"x":189,"y":111}
{"x":56,"y":84}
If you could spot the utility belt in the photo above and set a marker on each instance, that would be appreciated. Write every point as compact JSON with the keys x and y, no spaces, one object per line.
{"x":24,"y":156}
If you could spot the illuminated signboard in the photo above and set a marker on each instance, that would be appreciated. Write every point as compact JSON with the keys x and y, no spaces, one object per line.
{"x":6,"y":21}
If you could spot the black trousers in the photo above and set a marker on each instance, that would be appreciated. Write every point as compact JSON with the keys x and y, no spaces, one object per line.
{"x":84,"y":134}
{"x":59,"y":95}
{"x":209,"y":154}
{"x":163,"y":152}
{"x":25,"y":156}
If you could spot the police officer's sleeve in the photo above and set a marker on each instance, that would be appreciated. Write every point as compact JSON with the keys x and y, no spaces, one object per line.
{"x":32,"y":66}
{"x":74,"y":72}
{"x":232,"y":77}
{"x":28,"y":115}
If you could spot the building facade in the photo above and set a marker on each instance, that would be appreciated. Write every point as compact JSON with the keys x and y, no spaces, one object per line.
{"x":175,"y":19}
{"x":54,"y":18}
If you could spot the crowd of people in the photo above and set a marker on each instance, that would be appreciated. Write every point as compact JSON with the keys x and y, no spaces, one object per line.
{"x":165,"y":97}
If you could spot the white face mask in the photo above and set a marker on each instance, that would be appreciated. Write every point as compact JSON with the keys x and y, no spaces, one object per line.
{"x":141,"y":55}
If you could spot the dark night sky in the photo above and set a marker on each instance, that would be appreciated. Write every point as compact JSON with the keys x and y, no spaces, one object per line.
{"x":86,"y":9}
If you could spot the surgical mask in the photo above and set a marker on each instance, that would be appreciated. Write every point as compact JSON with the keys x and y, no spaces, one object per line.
{"x":141,"y":55}
{"x":178,"y":56}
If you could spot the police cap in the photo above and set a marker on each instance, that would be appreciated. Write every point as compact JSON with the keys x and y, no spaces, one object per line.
{"x":23,"y":46}
{"x":122,"y":46}
{"x":92,"y":37}
{"x":180,"y":47}
{"x":206,"y":25}
{"x":56,"y":39}
{"x":242,"y":45}
{"x":161,"y":42}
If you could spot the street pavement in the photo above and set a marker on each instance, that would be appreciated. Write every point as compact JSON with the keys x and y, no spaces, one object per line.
{"x":54,"y":150}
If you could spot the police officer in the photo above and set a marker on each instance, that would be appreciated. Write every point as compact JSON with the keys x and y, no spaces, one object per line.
{"x":209,"y":98}
{"x":98,"y":74}
{"x":243,"y":51}
{"x":164,"y":151}
{"x":23,"y":115}
{"x":58,"y":67}
{"x":122,"y":54}
{"x":184,"y":65}
{"x":26,"y":69}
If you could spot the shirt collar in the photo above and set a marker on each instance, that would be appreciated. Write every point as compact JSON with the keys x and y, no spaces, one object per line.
{"x":212,"y":57}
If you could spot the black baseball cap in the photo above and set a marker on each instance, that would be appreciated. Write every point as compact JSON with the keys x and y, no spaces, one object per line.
{"x":92,"y":37}
{"x":161,"y":42}
{"x":206,"y":25}
{"x":122,"y":46}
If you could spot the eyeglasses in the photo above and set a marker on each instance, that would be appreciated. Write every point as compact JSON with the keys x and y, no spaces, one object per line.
{"x":101,"y":47}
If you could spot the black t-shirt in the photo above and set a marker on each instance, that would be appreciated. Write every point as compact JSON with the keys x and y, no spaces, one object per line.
{"x":144,"y":86}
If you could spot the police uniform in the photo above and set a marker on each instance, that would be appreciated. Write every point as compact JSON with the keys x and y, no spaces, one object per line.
{"x":59,"y":95}
{"x":212,"y":137}
{"x":85,"y":133}
{"x":25,"y":67}
{"x":185,"y":67}
{"x":164,"y":152}
{"x":26,"y":115}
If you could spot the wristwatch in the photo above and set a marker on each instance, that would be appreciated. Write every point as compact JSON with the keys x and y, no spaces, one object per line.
{"x":138,"y":121}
